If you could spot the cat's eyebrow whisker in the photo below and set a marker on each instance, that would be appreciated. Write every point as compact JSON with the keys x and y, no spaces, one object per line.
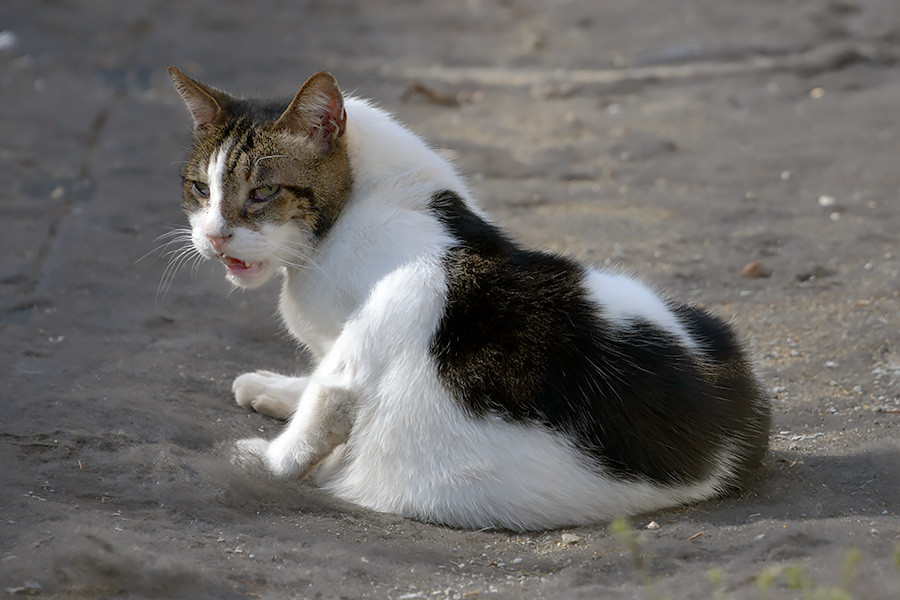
{"x":262,"y":158}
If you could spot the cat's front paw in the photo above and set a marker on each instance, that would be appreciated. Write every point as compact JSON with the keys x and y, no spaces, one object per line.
{"x":250,"y":453}
{"x":269,"y":393}
{"x":276,"y":457}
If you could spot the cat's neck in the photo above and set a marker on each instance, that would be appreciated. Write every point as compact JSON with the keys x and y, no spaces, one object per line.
{"x":385,"y":224}
{"x":384,"y":155}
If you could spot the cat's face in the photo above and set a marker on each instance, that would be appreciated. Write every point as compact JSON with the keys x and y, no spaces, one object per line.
{"x":264,"y":181}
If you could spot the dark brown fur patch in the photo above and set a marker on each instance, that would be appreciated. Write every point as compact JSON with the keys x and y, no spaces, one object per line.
{"x":520,"y":339}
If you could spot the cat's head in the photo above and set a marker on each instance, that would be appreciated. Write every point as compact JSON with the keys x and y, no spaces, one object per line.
{"x":265,"y":180}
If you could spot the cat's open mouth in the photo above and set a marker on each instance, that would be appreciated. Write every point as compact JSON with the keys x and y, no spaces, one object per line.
{"x":240,"y":268}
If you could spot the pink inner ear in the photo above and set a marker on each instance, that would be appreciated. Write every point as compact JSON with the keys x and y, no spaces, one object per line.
{"x":317,"y":111}
{"x":334,"y":121}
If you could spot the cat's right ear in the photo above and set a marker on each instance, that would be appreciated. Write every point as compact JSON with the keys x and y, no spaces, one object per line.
{"x":317,"y":112}
{"x":204,"y":102}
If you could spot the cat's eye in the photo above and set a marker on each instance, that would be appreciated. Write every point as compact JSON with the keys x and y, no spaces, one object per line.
{"x":264,"y":194}
{"x":201,"y":189}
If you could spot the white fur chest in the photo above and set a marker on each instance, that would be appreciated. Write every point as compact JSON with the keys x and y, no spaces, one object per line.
{"x":309,"y":314}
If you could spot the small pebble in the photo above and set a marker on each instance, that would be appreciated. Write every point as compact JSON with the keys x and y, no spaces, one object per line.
{"x":653,"y":525}
{"x":827,"y":200}
{"x":570,"y":538}
{"x":29,"y":589}
{"x":8,"y":40}
{"x":816,"y":93}
{"x":755,"y":270}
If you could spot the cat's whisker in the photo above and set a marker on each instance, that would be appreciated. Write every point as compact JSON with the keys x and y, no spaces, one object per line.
{"x":296,"y":253}
{"x":309,"y":262}
{"x":167,"y":277}
{"x":173,"y":232}
{"x":297,"y":245}
{"x":301,"y":250}
{"x":300,"y":266}
{"x":182,"y":236}
{"x":177,"y":236}
{"x":183,"y":259}
{"x":195,"y":267}
{"x":178,"y":258}
{"x":185,"y":242}
{"x":296,"y":266}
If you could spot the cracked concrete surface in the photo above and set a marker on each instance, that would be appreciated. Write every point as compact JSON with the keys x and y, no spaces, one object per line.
{"x":678,"y":145}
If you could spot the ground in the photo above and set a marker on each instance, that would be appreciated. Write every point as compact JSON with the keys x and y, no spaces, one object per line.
{"x":679,"y":142}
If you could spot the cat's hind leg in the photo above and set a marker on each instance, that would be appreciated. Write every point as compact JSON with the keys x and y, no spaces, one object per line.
{"x":269,"y":393}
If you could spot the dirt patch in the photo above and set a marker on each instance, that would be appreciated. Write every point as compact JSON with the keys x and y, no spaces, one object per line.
{"x":681,"y":147}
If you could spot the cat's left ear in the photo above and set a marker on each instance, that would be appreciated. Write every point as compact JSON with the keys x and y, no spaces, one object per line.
{"x":317,"y":111}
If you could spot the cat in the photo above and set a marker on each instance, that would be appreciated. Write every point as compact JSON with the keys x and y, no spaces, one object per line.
{"x":459,"y":378}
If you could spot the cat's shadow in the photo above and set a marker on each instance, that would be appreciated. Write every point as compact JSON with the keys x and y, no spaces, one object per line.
{"x":799,"y":486}
{"x":791,"y":486}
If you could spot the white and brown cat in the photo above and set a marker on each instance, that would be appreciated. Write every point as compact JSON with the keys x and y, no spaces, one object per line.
{"x":459,"y":378}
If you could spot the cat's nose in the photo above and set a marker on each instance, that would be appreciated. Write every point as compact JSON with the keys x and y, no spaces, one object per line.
{"x":218,"y":241}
